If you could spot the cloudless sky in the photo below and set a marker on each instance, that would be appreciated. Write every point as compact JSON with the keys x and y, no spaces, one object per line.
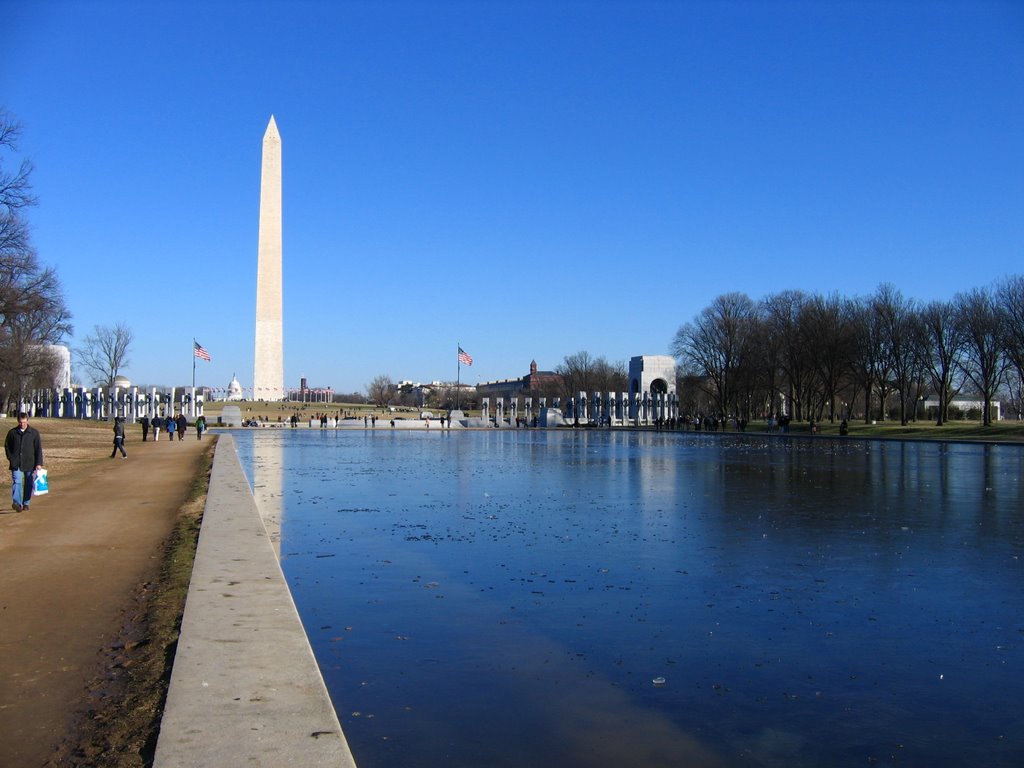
{"x":528,"y":179}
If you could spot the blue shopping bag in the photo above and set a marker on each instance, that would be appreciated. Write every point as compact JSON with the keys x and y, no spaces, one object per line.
{"x":41,"y":483}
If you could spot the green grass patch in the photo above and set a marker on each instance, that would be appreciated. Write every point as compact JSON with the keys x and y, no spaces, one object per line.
{"x":971,"y":431}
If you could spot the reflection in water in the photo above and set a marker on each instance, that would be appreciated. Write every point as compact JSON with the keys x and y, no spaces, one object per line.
{"x":267,"y":475}
{"x":508,"y":597}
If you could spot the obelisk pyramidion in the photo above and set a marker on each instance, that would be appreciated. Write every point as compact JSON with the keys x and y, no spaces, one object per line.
{"x":268,"y":368}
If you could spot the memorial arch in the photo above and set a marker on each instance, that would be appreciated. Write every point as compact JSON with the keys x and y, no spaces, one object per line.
{"x":652,"y":375}
{"x":652,"y":389}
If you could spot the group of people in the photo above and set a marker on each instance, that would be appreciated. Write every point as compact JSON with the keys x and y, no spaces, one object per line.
{"x":171,"y":425}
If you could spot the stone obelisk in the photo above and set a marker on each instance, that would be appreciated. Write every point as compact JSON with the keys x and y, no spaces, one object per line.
{"x":268,"y":368}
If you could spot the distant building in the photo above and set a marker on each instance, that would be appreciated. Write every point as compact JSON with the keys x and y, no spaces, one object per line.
{"x":307,"y":394}
{"x":534,"y":384}
{"x":63,"y":378}
{"x":234,"y":389}
{"x":963,"y":403}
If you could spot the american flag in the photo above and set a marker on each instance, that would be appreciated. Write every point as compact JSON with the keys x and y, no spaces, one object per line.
{"x":199,"y":351}
{"x":464,"y":357}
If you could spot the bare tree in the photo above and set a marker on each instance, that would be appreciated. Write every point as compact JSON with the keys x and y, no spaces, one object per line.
{"x":983,"y":328}
{"x":105,"y":352}
{"x":610,"y":377}
{"x":716,"y":343}
{"x":896,"y":316}
{"x":1010,"y":296}
{"x":15,"y":188}
{"x":696,"y":394}
{"x":941,"y":346}
{"x":381,"y":391}
{"x":1015,"y":393}
{"x":766,"y":358}
{"x":575,"y":371}
{"x":781,"y":314}
{"x":16,"y":254}
{"x":582,"y":373}
{"x":827,"y":333}
{"x":32,"y":308}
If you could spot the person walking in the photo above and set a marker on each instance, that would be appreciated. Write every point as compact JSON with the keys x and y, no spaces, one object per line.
{"x":200,"y":427}
{"x":24,"y":448}
{"x":118,"y":438}
{"x":156,"y":424}
{"x":145,"y":427}
{"x":182,"y":426}
{"x":170,"y":425}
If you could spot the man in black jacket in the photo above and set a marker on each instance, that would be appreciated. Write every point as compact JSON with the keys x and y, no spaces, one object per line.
{"x":24,"y":449}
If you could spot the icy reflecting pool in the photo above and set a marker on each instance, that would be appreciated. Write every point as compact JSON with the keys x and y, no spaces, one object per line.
{"x":558,"y":599}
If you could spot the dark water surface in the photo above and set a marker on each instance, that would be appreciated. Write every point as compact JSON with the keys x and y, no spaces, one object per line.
{"x":509,"y":598}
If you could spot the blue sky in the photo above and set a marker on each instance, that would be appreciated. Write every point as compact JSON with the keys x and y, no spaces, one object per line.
{"x":528,"y":179}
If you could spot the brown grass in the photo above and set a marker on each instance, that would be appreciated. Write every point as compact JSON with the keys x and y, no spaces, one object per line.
{"x":71,"y":446}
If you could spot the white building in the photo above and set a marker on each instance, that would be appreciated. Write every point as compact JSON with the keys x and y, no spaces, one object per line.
{"x":965,"y":403}
{"x":234,"y":390}
{"x":62,"y":380}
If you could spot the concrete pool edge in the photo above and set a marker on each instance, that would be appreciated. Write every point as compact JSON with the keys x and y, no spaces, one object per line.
{"x":245,"y":687}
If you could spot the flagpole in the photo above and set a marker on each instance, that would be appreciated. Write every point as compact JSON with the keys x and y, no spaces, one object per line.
{"x":193,"y":362}
{"x":458,"y":374}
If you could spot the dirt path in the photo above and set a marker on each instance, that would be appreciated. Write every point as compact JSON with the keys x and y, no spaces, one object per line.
{"x":70,"y":571}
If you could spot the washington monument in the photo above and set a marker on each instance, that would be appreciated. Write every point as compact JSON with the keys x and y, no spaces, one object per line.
{"x":268,"y":367}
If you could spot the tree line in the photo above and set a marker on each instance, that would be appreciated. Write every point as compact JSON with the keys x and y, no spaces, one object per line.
{"x":832,"y":356}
